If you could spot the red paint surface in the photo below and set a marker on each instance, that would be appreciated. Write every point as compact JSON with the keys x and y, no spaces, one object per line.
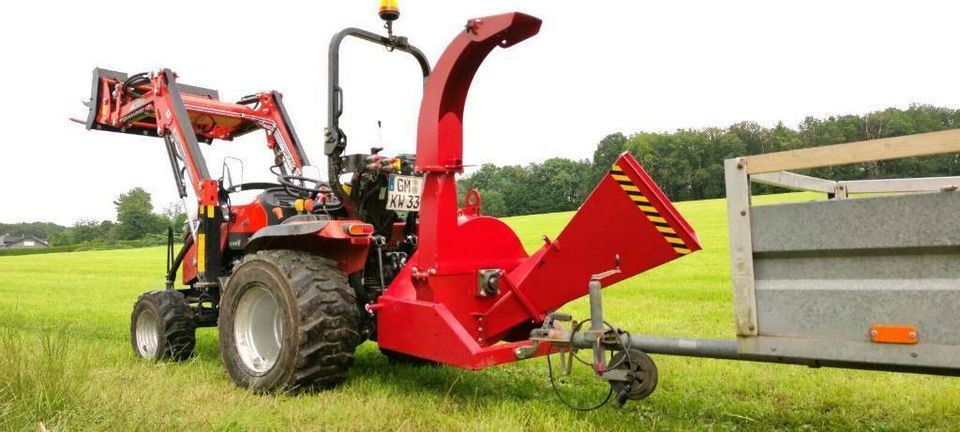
{"x":432,"y":310}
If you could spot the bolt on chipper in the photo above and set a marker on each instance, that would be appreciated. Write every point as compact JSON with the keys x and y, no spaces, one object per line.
{"x":296,"y":279}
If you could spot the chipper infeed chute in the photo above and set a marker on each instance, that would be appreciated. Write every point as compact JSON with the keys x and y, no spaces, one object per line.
{"x":627,"y":219}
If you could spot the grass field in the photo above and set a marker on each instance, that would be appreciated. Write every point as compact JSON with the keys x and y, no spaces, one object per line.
{"x":65,"y":360}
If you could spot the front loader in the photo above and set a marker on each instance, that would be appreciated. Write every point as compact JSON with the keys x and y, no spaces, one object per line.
{"x":296,"y":279}
{"x":280,"y":261}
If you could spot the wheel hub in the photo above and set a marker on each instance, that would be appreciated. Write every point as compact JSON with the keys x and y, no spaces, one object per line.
{"x":257,"y":329}
{"x":641,"y":368}
{"x":148,"y":333}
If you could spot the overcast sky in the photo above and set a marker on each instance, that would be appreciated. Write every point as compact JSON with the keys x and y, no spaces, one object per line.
{"x":595,"y":68}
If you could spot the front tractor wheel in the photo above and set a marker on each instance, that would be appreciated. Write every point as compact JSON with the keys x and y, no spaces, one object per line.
{"x":162,"y":326}
{"x":288,"y":321}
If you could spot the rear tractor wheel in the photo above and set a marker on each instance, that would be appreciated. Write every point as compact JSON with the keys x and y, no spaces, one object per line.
{"x":288,"y":321}
{"x":162,"y":326}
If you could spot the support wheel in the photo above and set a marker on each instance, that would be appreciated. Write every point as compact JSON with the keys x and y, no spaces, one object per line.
{"x":288,"y":321}
{"x":162,"y":326}
{"x":644,"y":373}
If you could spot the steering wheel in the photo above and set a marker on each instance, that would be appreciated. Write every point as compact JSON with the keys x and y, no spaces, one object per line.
{"x":300,"y":186}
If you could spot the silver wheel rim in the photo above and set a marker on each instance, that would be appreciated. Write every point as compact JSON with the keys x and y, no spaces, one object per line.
{"x":257,"y":329}
{"x":148,"y":333}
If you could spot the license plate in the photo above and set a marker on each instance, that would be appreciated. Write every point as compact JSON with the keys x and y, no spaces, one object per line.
{"x":403,"y":192}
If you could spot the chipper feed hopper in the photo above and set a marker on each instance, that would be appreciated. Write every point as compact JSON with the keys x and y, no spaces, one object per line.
{"x":308,"y":270}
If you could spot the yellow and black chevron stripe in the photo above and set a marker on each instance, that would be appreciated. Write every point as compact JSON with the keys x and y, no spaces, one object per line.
{"x":669,"y":234}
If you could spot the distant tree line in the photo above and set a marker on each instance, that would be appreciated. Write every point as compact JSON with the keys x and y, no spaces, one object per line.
{"x":136,"y":220}
{"x":41,"y":230}
{"x":688,"y":163}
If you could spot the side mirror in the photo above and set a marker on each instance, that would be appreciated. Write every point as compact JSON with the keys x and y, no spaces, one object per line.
{"x":231,"y":165}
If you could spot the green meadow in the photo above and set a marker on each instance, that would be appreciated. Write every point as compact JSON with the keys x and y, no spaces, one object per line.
{"x":66,"y":362}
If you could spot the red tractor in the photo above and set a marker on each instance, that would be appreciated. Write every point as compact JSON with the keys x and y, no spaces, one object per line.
{"x":299,"y":277}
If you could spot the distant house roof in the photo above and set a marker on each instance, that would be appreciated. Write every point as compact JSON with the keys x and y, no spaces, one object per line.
{"x":11,"y":241}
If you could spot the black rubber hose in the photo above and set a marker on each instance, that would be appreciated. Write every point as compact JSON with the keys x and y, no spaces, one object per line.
{"x":134,"y":80}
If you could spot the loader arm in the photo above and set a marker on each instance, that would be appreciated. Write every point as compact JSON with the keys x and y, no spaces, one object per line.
{"x":154,"y":104}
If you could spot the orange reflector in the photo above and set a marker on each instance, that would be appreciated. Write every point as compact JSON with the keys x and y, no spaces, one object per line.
{"x":278,"y":212}
{"x":894,"y":334}
{"x":358,"y":229}
{"x":308,"y":205}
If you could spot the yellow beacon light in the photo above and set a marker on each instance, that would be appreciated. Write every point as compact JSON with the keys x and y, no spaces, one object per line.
{"x":389,"y":10}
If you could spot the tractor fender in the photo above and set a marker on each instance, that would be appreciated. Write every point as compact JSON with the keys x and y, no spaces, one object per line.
{"x":290,"y":229}
{"x":316,"y":235}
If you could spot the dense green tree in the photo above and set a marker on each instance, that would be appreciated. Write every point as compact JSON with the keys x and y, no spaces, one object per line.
{"x":492,"y":203}
{"x":558,"y":185}
{"x":607,"y":152}
{"x":135,"y":215}
{"x":61,"y":238}
{"x":87,"y":230}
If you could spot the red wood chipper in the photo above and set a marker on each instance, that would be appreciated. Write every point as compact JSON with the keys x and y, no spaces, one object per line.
{"x":308,"y":270}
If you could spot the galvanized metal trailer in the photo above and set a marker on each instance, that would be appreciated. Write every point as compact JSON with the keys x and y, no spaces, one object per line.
{"x":871,"y":283}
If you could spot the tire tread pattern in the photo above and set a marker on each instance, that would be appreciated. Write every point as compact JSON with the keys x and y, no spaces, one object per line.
{"x":330,"y":321}
{"x":179,"y":329}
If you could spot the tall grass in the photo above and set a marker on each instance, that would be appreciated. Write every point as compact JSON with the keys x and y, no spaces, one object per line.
{"x":65,"y":360}
{"x":41,"y":378}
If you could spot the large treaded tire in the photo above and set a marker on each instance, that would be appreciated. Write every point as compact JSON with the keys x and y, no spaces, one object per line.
{"x":320,"y":321}
{"x":174,"y":325}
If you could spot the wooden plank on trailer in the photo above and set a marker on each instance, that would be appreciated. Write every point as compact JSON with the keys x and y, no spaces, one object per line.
{"x":741,"y":247}
{"x":789,"y":180}
{"x":947,"y":141}
{"x":922,"y":184}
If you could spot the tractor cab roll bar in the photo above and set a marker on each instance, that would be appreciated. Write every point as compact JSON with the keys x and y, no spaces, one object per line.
{"x":336,"y":139}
